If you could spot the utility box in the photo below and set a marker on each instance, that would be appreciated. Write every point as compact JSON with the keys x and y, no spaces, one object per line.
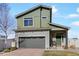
{"x":13,"y":44}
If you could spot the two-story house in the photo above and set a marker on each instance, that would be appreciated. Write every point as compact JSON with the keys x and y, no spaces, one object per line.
{"x":36,"y":30}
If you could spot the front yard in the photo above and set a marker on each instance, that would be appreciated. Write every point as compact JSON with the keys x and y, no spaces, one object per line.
{"x":40,"y":52}
{"x":59,"y":53}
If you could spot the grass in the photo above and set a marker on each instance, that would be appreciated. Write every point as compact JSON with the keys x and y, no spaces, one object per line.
{"x":59,"y":53}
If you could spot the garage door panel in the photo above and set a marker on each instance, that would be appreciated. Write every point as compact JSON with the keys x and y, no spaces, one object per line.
{"x":36,"y":42}
{"x":22,"y":42}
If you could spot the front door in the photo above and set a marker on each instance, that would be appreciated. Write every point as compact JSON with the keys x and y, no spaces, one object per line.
{"x":58,"y":40}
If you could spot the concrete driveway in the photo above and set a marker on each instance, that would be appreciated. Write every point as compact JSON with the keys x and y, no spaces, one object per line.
{"x":24,"y":52}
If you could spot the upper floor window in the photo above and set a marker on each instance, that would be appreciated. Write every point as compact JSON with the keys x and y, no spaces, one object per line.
{"x":44,"y":17}
{"x":28,"y":22}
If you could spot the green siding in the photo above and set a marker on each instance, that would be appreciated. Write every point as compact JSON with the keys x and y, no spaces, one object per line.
{"x":44,"y":22}
{"x":36,"y":19}
{"x":20,"y":22}
{"x":35,"y":15}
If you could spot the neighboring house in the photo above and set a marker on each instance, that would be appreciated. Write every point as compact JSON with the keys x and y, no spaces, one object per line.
{"x":74,"y":42}
{"x":9,"y":42}
{"x":36,"y":30}
{"x":2,"y":42}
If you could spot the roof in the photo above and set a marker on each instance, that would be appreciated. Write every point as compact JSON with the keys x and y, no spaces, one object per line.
{"x":32,"y":9}
{"x":60,"y":26}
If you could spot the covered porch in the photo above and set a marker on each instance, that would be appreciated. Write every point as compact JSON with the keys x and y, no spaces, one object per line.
{"x":58,"y":36}
{"x":59,"y":39}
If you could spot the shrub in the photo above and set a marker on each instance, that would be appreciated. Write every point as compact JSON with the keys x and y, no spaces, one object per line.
{"x":72,"y":46}
{"x":7,"y":50}
{"x":10,"y":49}
{"x":65,"y":47}
{"x":13,"y":48}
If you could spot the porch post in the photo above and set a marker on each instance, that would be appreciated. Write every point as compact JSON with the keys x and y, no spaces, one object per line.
{"x":62,"y":41}
{"x":17,"y":42}
{"x":66,"y":41}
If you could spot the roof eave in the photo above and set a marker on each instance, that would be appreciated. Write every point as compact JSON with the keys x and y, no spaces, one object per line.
{"x":60,"y":26}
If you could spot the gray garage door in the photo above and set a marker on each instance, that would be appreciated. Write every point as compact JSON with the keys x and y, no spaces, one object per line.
{"x":32,"y":42}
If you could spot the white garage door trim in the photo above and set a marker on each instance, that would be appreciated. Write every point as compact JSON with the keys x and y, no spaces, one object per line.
{"x":32,"y":34}
{"x":32,"y":42}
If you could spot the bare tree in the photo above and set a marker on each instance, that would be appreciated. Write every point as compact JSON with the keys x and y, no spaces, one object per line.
{"x":4,"y":20}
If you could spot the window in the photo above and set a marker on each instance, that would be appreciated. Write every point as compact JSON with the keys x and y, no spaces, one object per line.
{"x":28,"y":22}
{"x":44,"y":17}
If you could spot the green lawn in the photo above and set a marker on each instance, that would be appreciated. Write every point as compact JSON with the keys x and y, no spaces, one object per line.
{"x":59,"y":53}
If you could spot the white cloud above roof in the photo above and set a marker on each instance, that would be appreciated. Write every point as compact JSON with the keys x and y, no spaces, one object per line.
{"x":73,"y":16}
{"x":54,"y":9}
{"x":76,"y":23}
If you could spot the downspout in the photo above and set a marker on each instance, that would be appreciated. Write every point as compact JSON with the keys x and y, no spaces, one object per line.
{"x":40,"y":16}
{"x":51,"y":15}
{"x":50,"y":35}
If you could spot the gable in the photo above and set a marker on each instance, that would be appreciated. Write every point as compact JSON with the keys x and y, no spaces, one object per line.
{"x":32,"y":9}
{"x":37,"y":18}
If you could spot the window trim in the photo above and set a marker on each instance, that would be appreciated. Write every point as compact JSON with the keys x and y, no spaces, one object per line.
{"x":28,"y":26}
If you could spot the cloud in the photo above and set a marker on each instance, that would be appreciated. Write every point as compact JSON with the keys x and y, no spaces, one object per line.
{"x":54,"y":9}
{"x":73,"y":16}
{"x":76,"y":23}
{"x":77,"y":10}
